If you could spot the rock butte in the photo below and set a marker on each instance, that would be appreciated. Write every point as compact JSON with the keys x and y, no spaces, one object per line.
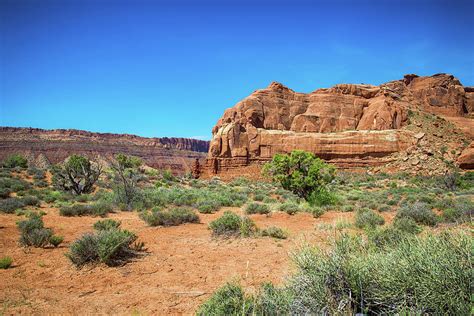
{"x":43,"y":147}
{"x":351,"y":125}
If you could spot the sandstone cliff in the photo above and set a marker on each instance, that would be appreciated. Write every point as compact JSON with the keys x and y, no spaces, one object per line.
{"x":43,"y":147}
{"x":351,"y":125}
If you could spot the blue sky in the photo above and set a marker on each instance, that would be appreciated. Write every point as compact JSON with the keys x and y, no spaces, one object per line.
{"x":170,"y":68}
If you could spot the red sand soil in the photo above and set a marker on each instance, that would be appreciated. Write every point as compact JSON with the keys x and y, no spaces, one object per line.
{"x":183,"y":267}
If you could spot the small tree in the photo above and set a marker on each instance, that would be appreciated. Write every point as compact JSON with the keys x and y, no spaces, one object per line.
{"x":300,"y":172}
{"x":15,"y":160}
{"x":126,"y":176}
{"x":77,"y":174}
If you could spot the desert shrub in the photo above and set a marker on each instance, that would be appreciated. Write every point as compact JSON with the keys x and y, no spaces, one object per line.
{"x":348,"y":208}
{"x":257,"y":208}
{"x":289,"y":208}
{"x":407,"y":225}
{"x":269,"y":200}
{"x":227,"y":224}
{"x":383,"y":208}
{"x":172,"y":217}
{"x":56,"y":240}
{"x":10,"y":205}
{"x":77,"y":174}
{"x":13,"y":184}
{"x":240,"y":181}
{"x":5,"y":192}
{"x":208,"y":206}
{"x":417,"y":276}
{"x":228,"y":300}
{"x":106,"y":224}
{"x":366,"y":218}
{"x":322,"y":197}
{"x":300,"y":172}
{"x":275,"y":232}
{"x":247,"y":227}
{"x":271,"y":300}
{"x":450,"y":179}
{"x":33,"y":233}
{"x":386,"y":236}
{"x":96,"y":209}
{"x":52,"y":196}
{"x":259,"y":197}
{"x":461,"y":210}
{"x":126,"y":177}
{"x":419,"y":212}
{"x":111,"y":247}
{"x":101,"y":208}
{"x":316,"y":211}
{"x":5,"y":262}
{"x":30,"y":201}
{"x":15,"y":161}
{"x":231,"y":224}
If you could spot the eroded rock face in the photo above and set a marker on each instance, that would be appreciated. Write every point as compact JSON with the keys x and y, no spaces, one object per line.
{"x":44,"y":147}
{"x":347,"y":121}
{"x":466,"y":159}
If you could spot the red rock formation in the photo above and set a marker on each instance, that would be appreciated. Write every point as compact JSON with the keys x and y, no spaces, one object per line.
{"x":466,"y":159}
{"x":346,"y":123}
{"x":53,"y":146}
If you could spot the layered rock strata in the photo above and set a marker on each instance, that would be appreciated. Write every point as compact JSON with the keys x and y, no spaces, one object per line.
{"x":43,"y":147}
{"x":349,"y":124}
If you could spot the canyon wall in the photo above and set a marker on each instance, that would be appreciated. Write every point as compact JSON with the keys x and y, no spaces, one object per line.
{"x":351,"y":125}
{"x":44,"y":147}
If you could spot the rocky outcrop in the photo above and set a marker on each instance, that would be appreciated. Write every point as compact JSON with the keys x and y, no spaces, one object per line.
{"x":466,"y":159}
{"x":44,"y":147}
{"x":349,"y":124}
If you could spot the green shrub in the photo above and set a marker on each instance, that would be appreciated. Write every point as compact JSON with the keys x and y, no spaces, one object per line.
{"x":106,"y":224}
{"x":15,"y":161}
{"x":228,"y":300}
{"x":259,"y":197}
{"x":171,"y":217}
{"x":5,"y":193}
{"x":415,"y":276}
{"x":300,"y":172}
{"x":10,"y":205}
{"x":5,"y":262}
{"x":56,"y":240}
{"x":275,"y":232}
{"x":231,"y":224}
{"x":419,"y":212}
{"x":348,"y":208}
{"x":13,"y":184}
{"x":316,"y":211}
{"x":30,"y":200}
{"x":407,"y":225}
{"x":257,"y":208}
{"x":247,"y":227}
{"x":322,"y":198}
{"x":366,"y":218}
{"x":33,"y":233}
{"x":460,"y":211}
{"x":289,"y":208}
{"x":208,"y":206}
{"x":112,"y":247}
{"x":96,"y":209}
{"x":386,"y":236}
{"x":227,"y":224}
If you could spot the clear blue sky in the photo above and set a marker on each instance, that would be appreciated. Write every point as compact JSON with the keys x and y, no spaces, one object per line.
{"x":157,"y":68}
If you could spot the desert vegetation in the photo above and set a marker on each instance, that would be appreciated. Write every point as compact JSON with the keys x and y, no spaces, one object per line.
{"x":398,"y":243}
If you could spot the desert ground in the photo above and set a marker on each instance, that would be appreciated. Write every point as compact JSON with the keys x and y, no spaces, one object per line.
{"x":182,"y":267}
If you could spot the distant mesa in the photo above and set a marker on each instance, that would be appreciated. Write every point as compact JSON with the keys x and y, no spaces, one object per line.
{"x":351,"y":125}
{"x":46,"y":147}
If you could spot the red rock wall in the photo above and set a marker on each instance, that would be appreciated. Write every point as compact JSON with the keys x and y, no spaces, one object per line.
{"x":178,"y":154}
{"x":348,"y":122}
